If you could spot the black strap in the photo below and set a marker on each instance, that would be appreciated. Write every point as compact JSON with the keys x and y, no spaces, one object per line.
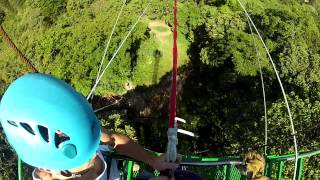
{"x":108,"y":160}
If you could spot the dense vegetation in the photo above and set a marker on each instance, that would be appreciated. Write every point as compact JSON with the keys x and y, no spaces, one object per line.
{"x":219,"y":81}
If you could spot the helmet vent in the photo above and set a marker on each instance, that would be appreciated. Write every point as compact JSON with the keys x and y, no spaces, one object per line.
{"x":12,"y":123}
{"x":44,"y":132}
{"x":60,"y":137}
{"x":28,"y":128}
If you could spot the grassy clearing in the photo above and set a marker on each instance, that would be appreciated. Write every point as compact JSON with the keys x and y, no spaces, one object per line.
{"x":160,"y":29}
{"x":165,"y":45}
{"x":155,"y":59}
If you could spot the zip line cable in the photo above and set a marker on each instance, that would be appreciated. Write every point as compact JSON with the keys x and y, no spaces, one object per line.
{"x":282,"y":90}
{"x":116,"y":52}
{"x":16,"y":50}
{"x":109,"y":40}
{"x":263,"y":90}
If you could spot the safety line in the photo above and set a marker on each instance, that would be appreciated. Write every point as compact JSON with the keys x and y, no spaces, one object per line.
{"x":263,"y":91}
{"x":116,"y":52}
{"x":109,"y":40}
{"x":282,"y":90}
{"x":173,"y":96}
{"x":171,"y":152}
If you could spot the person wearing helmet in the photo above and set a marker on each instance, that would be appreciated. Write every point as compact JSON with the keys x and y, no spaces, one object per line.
{"x":53,"y":128}
{"x":95,"y":168}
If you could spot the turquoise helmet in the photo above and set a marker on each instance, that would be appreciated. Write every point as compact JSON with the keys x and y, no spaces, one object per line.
{"x":48,"y":123}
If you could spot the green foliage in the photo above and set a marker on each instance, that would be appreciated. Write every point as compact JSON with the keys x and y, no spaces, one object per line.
{"x":224,"y":37}
{"x":72,"y":46}
{"x":305,"y":117}
{"x":2,"y":15}
{"x":117,"y":124}
{"x":6,"y":5}
{"x":7,"y":159}
{"x":50,"y":8}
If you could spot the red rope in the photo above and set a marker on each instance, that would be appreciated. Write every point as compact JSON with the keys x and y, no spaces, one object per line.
{"x":173,"y":97}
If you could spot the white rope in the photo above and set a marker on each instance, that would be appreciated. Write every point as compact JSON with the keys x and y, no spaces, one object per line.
{"x":188,"y":133}
{"x":171,"y":154}
{"x":116,"y":52}
{"x":263,"y":91}
{"x":102,"y":108}
{"x":180,"y":120}
{"x":282,"y":90}
{"x":109,"y":40}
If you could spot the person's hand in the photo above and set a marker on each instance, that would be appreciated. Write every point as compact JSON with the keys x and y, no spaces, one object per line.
{"x":160,"y":164}
{"x":43,"y":174}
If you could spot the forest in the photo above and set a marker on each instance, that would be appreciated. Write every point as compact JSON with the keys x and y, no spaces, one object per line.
{"x":219,"y":83}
